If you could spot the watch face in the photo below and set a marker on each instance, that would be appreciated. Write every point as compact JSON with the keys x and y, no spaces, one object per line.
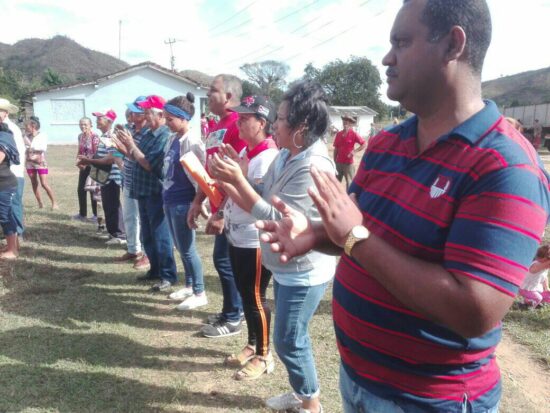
{"x":360,"y":232}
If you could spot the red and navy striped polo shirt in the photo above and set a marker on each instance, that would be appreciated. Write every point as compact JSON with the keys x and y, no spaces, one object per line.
{"x":476,"y":201}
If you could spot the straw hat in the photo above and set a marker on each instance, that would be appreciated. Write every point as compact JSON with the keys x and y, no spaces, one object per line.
{"x":7,"y":106}
{"x":349,"y":118}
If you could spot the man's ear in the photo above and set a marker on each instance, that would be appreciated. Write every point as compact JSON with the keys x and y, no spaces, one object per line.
{"x":456,"y":44}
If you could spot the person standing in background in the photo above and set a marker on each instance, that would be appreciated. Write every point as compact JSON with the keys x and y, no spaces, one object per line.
{"x":36,"y":144}
{"x":130,"y":208}
{"x":18,"y":169}
{"x":147,"y":189}
{"x":110,"y":190}
{"x":88,"y":142}
{"x":344,"y":144}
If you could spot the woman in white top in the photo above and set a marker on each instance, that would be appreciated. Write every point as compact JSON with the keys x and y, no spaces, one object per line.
{"x":256,"y":114}
{"x":36,"y":144}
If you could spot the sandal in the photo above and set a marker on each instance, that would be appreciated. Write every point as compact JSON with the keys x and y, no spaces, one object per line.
{"x":239,"y":360}
{"x":253,"y":371}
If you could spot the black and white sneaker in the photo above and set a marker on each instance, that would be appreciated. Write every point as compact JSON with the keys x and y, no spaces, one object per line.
{"x":216,"y":318}
{"x":221,"y":328}
{"x":162,"y":285}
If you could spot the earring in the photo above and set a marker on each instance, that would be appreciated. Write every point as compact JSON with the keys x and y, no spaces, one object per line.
{"x":294,"y":141}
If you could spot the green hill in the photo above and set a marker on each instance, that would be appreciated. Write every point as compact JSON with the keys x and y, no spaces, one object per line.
{"x":527,"y":88}
{"x":32,"y":57}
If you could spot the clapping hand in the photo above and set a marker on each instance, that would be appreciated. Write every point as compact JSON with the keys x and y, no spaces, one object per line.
{"x":229,"y":152}
{"x":339,"y":211}
{"x":224,"y":169}
{"x":124,"y":137}
{"x":291,"y":236}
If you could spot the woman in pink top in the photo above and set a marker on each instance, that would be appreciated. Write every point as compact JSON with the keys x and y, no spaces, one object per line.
{"x":37,"y":168}
{"x":87,"y":146}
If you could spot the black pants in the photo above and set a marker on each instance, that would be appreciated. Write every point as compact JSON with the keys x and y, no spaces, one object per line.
{"x":110,"y":199}
{"x":252,"y":279}
{"x":83,"y":206}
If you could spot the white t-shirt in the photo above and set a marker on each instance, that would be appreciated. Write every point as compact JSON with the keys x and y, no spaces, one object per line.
{"x":240,"y":226}
{"x":533,"y":281}
{"x":39,"y":143}
{"x":18,"y":170}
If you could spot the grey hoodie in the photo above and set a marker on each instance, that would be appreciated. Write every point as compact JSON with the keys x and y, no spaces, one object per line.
{"x":290,"y":182}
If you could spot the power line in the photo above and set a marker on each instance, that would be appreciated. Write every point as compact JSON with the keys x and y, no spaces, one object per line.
{"x":286,"y":16}
{"x":233,"y":16}
{"x":303,"y":36}
{"x":364,"y":3}
{"x":332,"y":38}
{"x":301,"y":27}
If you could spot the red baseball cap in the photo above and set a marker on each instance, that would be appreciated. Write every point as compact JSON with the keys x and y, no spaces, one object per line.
{"x":109,"y":114}
{"x":152,"y":102}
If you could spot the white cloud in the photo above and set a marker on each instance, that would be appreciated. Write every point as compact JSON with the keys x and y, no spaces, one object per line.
{"x":519,"y":37}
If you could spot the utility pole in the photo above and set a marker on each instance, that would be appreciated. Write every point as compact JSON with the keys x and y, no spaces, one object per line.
{"x":172,"y":58}
{"x":170,"y":42}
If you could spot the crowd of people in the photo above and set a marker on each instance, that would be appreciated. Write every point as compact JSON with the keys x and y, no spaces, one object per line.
{"x":436,"y":233}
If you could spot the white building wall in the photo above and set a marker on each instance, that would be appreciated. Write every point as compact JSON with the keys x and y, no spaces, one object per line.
{"x":60,"y":111}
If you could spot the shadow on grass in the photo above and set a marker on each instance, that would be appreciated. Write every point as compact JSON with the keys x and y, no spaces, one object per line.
{"x":63,"y":306}
{"x":59,"y":256}
{"x":63,"y":235}
{"x":43,"y":345}
{"x":26,"y":387}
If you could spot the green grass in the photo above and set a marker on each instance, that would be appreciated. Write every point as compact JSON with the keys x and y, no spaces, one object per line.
{"x":78,"y":334}
{"x":531,"y":328}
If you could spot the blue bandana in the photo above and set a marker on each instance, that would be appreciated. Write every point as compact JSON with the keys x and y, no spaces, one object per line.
{"x":174,"y":110}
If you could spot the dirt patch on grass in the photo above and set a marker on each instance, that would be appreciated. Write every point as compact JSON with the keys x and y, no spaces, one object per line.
{"x":529,"y":376}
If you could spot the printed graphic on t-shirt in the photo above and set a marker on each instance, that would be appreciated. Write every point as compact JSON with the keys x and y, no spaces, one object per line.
{"x":168,"y":170}
{"x":215,"y":139}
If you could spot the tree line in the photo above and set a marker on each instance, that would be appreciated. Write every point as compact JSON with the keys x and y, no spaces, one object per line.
{"x":14,"y":85}
{"x":355,"y":82}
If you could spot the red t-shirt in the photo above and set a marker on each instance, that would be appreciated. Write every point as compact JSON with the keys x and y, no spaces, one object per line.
{"x":345,"y":142}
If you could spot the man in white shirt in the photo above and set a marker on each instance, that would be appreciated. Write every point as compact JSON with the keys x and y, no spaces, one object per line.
{"x":6,"y":108}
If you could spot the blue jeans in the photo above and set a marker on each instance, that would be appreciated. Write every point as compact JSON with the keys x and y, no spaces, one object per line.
{"x":184,"y":238}
{"x":7,"y":218}
{"x":232,"y":303}
{"x":155,"y":237}
{"x":17,"y":205}
{"x":294,"y":308}
{"x":130,"y":213}
{"x":356,"y":398}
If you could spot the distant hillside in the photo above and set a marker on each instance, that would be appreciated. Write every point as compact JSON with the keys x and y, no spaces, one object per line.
{"x":31,"y":57}
{"x":527,"y":88}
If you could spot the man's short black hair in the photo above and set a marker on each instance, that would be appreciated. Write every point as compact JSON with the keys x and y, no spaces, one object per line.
{"x":474,"y":18}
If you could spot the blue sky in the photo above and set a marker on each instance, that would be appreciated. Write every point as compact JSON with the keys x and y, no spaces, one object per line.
{"x":219,"y":36}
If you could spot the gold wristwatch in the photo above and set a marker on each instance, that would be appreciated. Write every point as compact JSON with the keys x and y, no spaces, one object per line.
{"x":358,"y":233}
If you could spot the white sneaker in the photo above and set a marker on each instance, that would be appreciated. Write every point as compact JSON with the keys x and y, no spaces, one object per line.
{"x":116,"y":241}
{"x":192,"y":302}
{"x":181,"y":294}
{"x":284,"y":401}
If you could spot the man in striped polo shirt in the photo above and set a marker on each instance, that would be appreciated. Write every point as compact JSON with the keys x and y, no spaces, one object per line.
{"x":451,"y":206}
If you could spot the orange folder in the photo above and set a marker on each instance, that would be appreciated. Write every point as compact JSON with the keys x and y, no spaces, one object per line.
{"x":192,"y":164}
